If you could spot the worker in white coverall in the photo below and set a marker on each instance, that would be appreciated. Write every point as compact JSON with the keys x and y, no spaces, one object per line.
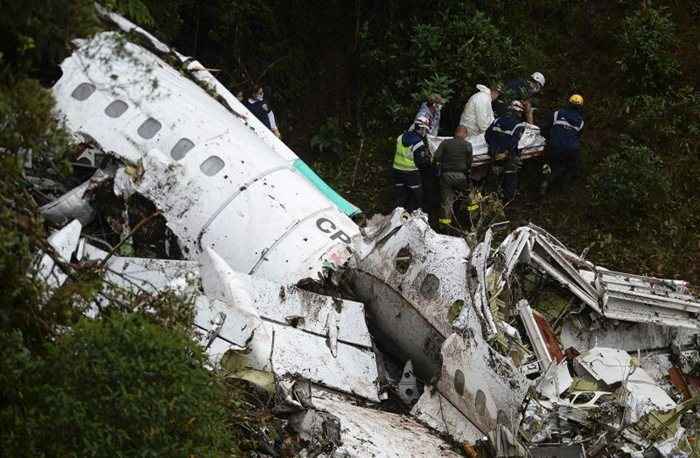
{"x":478,"y":113}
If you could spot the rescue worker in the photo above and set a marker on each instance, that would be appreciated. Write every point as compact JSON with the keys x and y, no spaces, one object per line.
{"x":564,"y":152}
{"x":503,"y":136}
{"x":431,"y":109}
{"x":257,"y":105}
{"x":453,"y":158}
{"x":411,"y":153}
{"x":520,"y":89}
{"x":478,"y":112}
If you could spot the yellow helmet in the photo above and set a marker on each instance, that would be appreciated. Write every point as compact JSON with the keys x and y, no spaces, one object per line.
{"x":576,"y":99}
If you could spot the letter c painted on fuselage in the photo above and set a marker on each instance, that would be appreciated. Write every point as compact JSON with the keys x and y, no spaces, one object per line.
{"x":327,"y":226}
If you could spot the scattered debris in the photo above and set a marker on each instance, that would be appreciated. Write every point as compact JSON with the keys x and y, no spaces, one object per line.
{"x":336,"y":320}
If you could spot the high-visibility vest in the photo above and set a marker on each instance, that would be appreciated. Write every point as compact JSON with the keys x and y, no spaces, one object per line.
{"x":403,"y":159}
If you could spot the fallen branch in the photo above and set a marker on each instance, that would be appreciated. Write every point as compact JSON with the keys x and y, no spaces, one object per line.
{"x":128,"y":236}
{"x":357,"y":162}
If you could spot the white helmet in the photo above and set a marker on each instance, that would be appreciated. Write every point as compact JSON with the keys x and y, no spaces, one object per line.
{"x":517,"y":105}
{"x":539,"y":77}
{"x":422,"y":121}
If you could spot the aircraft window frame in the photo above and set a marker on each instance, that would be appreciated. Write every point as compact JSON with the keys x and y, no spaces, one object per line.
{"x":181,"y":148}
{"x":79,"y":92}
{"x":113,"y":112}
{"x":212,"y":165}
{"x":149,"y":128}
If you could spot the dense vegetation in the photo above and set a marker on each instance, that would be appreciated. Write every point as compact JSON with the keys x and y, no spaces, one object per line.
{"x":350,"y":76}
{"x":346,"y":78}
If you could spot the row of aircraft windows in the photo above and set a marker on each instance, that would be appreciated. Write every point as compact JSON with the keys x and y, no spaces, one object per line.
{"x":149,"y":128}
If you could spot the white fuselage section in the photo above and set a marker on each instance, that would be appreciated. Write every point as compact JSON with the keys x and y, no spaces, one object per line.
{"x":216,"y":180}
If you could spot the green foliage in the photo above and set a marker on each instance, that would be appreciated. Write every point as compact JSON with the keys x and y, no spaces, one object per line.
{"x":26,"y":111}
{"x":671,"y":119}
{"x":435,"y":84}
{"x":632,"y":183}
{"x":466,"y":46}
{"x":647,"y":42}
{"x":21,"y":235}
{"x":114,"y":387}
{"x":136,"y":10}
{"x":447,"y":53}
{"x":35,"y":34}
{"x":329,"y":138}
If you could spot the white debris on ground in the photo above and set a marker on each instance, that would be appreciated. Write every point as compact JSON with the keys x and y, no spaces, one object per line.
{"x":383,"y":340}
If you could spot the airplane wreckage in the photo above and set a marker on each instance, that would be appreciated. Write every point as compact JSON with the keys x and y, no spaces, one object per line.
{"x":337,"y":320}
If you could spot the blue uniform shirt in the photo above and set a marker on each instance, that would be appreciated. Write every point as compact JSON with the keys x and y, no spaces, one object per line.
{"x":567,"y":125}
{"x":504,"y":134}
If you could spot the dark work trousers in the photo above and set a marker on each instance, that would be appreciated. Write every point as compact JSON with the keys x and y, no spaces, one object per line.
{"x":451,"y":183}
{"x":565,"y":165}
{"x":431,"y":189}
{"x":408,"y":189}
{"x":510,"y":176}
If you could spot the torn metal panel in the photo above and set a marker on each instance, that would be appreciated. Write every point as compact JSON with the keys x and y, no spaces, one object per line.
{"x":660,"y":287}
{"x":285,"y":350}
{"x":621,"y":295}
{"x":549,"y":336}
{"x":379,"y":228}
{"x":312,"y":350}
{"x":65,"y":242}
{"x":74,"y":204}
{"x":616,"y":366}
{"x":286,"y":305}
{"x":428,"y":269}
{"x":408,"y":282}
{"x":556,"y":380}
{"x":480,"y":298}
{"x":145,"y":274}
{"x":215,"y":180}
{"x":609,"y":365}
{"x":539,"y":345}
{"x":330,"y":344}
{"x":352,"y":370}
{"x":558,"y":451}
{"x":678,"y":380}
{"x":515,"y":249}
{"x":236,"y":326}
{"x":436,"y":411}
{"x":561,"y":278}
{"x":584,"y":335}
{"x":369,"y":432}
{"x":320,"y":430}
{"x":620,"y":309}
{"x":481,"y":384}
{"x":566,"y":269}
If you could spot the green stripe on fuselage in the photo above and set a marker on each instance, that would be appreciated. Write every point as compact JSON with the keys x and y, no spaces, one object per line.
{"x":342,"y":204}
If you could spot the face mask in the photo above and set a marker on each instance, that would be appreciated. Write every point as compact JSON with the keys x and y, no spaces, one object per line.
{"x":438,"y":107}
{"x":260,"y":97}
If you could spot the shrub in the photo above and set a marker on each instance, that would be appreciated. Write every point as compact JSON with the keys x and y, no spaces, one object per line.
{"x":447,"y":53}
{"x":435,"y":84}
{"x":328,"y":139}
{"x":647,"y":40}
{"x":119,"y":386}
{"x":668,"y":121}
{"x":631,"y":183}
